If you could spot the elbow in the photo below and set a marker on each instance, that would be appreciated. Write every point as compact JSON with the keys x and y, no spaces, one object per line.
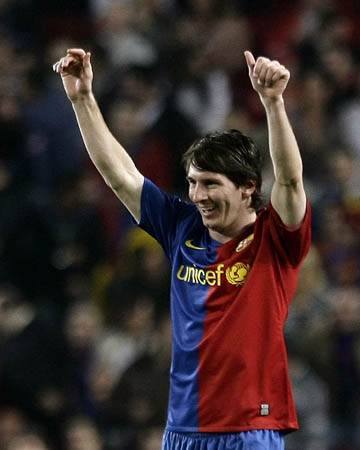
{"x":290,"y":183}
{"x":290,"y":177}
{"x":126,"y":182}
{"x":114,"y":183}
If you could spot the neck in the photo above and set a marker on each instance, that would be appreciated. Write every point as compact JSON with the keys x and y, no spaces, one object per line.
{"x":227,"y":235}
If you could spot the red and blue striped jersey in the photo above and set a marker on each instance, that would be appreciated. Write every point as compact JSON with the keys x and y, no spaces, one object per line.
{"x":229,"y":303}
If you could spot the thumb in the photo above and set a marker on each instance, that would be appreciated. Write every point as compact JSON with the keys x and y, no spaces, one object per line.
{"x":87,"y":64}
{"x":250,"y":60}
{"x":86,"y":60}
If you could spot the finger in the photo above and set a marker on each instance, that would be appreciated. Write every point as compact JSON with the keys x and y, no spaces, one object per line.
{"x":87,"y":64}
{"x":250,"y":60}
{"x":281,"y":73}
{"x":61,"y":62}
{"x":259,"y":64}
{"x":261,"y":68}
{"x":69,"y":60}
{"x":86,"y":60}
{"x":76,"y":52}
{"x":61,"y":66}
{"x":271,"y":71}
{"x":57,"y":68}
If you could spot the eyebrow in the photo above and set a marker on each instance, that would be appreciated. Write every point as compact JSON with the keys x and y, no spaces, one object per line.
{"x":204,"y":180}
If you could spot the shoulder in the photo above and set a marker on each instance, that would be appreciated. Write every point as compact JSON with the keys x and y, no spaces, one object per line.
{"x":269,"y":214}
{"x":156,"y":196}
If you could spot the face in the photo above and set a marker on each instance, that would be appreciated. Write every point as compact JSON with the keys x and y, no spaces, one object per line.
{"x":223,"y":206}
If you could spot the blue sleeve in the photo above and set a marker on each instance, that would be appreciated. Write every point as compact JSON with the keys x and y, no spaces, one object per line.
{"x":162,"y":214}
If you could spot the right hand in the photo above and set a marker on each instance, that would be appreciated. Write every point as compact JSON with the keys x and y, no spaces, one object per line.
{"x":76,"y":73}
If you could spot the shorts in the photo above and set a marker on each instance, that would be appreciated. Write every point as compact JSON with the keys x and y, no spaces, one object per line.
{"x":244,"y":440}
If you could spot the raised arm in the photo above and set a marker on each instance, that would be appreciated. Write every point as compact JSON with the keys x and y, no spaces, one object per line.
{"x":269,"y":79}
{"x":110,"y":158}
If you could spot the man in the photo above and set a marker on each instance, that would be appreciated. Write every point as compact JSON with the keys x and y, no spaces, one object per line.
{"x":234,"y":271}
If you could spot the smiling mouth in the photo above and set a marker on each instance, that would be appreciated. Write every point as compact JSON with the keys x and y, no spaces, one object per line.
{"x":207,"y":211}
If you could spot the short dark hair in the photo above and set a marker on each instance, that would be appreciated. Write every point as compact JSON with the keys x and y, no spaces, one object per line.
{"x":230,"y":153}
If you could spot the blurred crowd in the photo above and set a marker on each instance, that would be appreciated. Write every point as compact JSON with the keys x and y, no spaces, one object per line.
{"x":85,"y":336}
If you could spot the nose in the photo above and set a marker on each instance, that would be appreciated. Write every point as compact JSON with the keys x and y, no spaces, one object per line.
{"x":198,"y":193}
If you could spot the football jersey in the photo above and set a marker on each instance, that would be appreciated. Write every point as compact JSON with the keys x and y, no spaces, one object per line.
{"x":229,"y":303}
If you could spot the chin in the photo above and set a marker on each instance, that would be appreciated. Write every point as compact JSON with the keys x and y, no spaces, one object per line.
{"x":211,"y":226}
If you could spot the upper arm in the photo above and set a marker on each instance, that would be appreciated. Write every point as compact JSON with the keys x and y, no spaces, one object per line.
{"x":289,"y":201}
{"x":129,"y":193}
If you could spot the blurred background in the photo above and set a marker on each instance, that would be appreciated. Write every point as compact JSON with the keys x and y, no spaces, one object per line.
{"x":85,"y":337}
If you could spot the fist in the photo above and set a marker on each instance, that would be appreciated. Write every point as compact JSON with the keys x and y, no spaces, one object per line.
{"x":268,"y":78}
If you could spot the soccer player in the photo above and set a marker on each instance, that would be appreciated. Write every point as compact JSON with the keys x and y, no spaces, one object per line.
{"x":234,"y":265}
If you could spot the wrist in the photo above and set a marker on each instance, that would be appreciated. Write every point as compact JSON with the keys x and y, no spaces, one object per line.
{"x":273,"y":103}
{"x":83,"y":99}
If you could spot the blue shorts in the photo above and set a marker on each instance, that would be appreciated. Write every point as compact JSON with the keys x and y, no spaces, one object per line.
{"x":245,"y":440}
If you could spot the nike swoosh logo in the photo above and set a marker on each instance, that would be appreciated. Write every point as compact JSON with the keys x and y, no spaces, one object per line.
{"x":189,"y":244}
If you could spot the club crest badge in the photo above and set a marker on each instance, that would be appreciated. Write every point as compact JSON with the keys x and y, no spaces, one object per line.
{"x":244,"y":243}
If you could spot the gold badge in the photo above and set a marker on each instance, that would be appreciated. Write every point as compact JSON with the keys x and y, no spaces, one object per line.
{"x":237,"y":273}
{"x":244,"y":243}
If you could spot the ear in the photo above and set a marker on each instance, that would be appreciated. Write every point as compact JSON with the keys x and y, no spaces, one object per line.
{"x":247,"y":191}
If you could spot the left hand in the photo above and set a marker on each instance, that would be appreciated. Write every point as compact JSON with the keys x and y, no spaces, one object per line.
{"x":268,"y":78}
{"x":76,"y":73}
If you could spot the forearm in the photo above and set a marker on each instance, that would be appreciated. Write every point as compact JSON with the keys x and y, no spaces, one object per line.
{"x":109,"y":157}
{"x":269,"y":79}
{"x":284,"y":150}
{"x":287,"y":196}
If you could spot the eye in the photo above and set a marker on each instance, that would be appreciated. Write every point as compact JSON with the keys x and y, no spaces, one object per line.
{"x":211,"y":183}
